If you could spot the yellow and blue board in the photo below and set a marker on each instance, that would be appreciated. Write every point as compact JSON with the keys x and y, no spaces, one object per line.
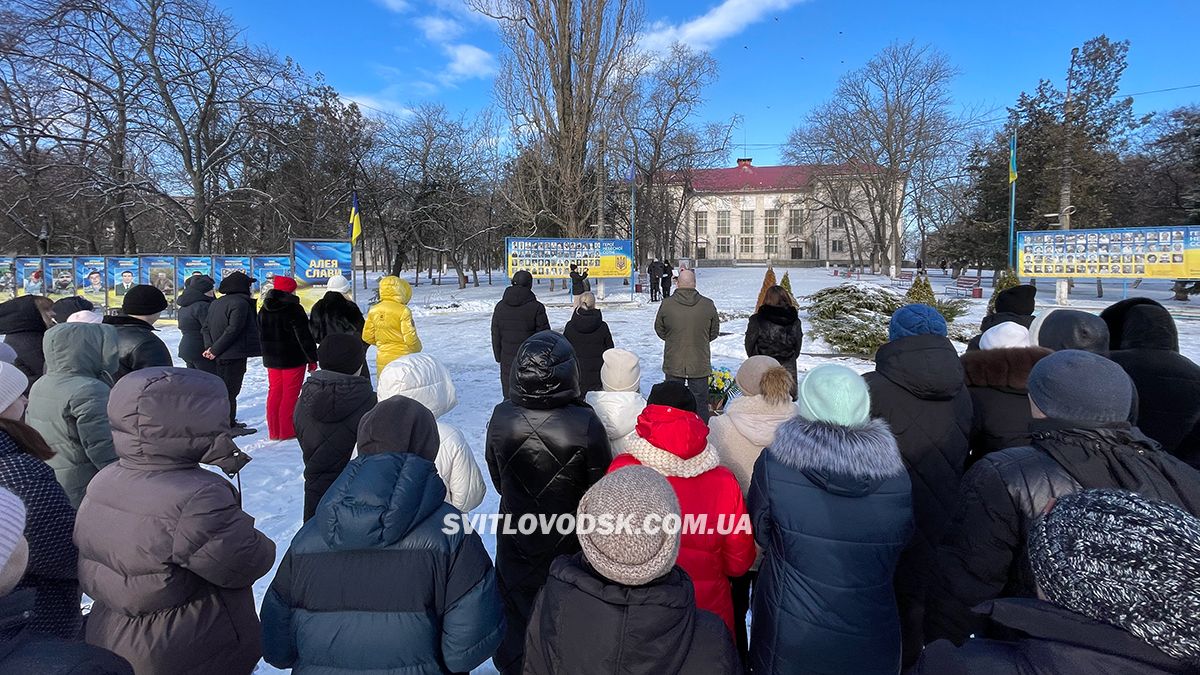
{"x":552,"y":258}
{"x":1132,"y":252}
{"x":315,"y":263}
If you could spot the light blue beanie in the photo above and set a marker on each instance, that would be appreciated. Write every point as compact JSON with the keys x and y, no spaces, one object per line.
{"x":835,"y":395}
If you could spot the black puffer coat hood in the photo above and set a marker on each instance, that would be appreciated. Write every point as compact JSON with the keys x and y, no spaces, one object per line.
{"x":546,"y":375}
{"x":149,"y":431}
{"x":287,"y":341}
{"x":21,"y":315}
{"x":334,"y":313}
{"x":590,"y":338}
{"x":780,"y":316}
{"x":925,"y":366}
{"x":515,"y":296}
{"x":237,"y":282}
{"x":64,"y":308}
{"x":191,"y":296}
{"x":584,"y":623}
{"x":328,"y":413}
{"x":1118,"y":315}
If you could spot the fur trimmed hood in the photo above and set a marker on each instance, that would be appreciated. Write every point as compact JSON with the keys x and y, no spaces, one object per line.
{"x":1003,"y":369}
{"x":867,"y":452}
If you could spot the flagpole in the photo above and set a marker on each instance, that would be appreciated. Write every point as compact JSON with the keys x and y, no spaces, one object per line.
{"x":633,"y":228}
{"x":1012,"y":202}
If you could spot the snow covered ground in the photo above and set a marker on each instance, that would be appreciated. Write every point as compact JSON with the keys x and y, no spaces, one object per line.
{"x":460,"y":336}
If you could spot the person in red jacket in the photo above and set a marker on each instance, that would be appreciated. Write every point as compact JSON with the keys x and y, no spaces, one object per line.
{"x":673,"y":440}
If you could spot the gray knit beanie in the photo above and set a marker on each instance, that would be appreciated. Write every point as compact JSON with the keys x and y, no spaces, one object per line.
{"x":630,"y":556}
{"x":1126,"y":560}
{"x":1078,"y":385}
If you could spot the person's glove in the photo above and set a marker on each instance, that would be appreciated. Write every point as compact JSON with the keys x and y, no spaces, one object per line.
{"x":226,"y":455}
{"x":312,"y":367}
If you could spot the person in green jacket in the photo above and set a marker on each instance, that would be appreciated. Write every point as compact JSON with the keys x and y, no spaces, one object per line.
{"x":687,"y":322}
{"x":69,"y":405}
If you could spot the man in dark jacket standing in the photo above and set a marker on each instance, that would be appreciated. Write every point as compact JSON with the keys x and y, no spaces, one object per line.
{"x":687,"y":322}
{"x":545,"y":448}
{"x":918,"y":389}
{"x":23,"y":323}
{"x":1081,"y":440}
{"x":654,"y":272}
{"x":331,"y":404}
{"x":667,"y":272}
{"x":233,"y":336}
{"x":193,"y":317}
{"x":1145,"y":343}
{"x":137,"y":344}
{"x":517,"y":316}
{"x":1117,"y":572}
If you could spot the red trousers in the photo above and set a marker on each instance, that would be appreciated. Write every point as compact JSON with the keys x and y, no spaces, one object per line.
{"x":283,"y":388}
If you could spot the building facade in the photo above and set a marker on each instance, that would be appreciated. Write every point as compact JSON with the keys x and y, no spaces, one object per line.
{"x":785,"y":215}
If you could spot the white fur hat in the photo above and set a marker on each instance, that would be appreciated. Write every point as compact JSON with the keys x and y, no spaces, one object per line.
{"x":339,"y":284}
{"x":1005,"y":335}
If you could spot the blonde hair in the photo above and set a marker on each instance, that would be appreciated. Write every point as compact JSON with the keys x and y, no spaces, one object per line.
{"x":588,"y":300}
{"x":776,"y":385}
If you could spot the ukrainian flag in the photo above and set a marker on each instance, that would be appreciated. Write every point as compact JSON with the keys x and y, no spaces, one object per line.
{"x":355,"y":220}
{"x":1012,"y":158}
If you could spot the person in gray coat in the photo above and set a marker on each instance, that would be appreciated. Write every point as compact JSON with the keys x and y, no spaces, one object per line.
{"x":687,"y":322}
{"x":68,"y":405}
{"x":165,"y":549}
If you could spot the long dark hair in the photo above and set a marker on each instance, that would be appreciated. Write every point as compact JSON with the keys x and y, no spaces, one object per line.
{"x":779,"y":297}
{"x":27,"y":438}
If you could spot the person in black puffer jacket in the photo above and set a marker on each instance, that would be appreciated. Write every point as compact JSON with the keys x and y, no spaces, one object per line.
{"x":232,"y":335}
{"x":832,"y":510}
{"x":775,"y":331}
{"x":288,"y":350}
{"x":623,"y":605}
{"x":331,"y":404}
{"x":1014,"y":304}
{"x":23,"y":322}
{"x":375,"y":583}
{"x":918,"y":388}
{"x":996,"y":377}
{"x":64,"y":308}
{"x":50,"y":518}
{"x":590,"y":337}
{"x":336,"y":313}
{"x":193,"y":317}
{"x":517,"y":316}
{"x":545,"y":448}
{"x":1145,"y":343}
{"x":1081,"y":440}
{"x":137,"y":344}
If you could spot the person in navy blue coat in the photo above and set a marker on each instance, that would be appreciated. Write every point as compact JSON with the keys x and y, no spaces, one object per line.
{"x":372,"y":583}
{"x":831,"y":505}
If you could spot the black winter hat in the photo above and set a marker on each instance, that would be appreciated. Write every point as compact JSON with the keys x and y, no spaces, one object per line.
{"x":64,"y":308}
{"x":237,"y":282}
{"x":399,"y":424}
{"x":1018,"y":299}
{"x":523,"y":278}
{"x":143,"y":300}
{"x":673,"y":394}
{"x":201,"y":283}
{"x":341,"y":353}
{"x":1060,"y":329}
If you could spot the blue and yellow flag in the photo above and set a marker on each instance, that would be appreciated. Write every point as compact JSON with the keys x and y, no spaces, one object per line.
{"x":1012,"y":158}
{"x":355,"y":220}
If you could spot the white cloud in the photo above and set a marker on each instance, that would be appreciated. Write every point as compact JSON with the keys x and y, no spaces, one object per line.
{"x":707,"y":30}
{"x":467,"y":62}
{"x":438,"y":28}
{"x":384,"y":102}
{"x":394,"y":5}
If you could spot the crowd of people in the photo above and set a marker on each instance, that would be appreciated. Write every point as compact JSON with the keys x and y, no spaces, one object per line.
{"x":1027,"y":506}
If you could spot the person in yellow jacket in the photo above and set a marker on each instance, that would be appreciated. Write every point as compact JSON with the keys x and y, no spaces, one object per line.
{"x":390,"y":324}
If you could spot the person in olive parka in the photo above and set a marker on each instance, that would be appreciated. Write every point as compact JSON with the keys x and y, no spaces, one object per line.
{"x":545,"y":447}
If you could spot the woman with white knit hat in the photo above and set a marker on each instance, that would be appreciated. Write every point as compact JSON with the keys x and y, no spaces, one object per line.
{"x":620,"y":402}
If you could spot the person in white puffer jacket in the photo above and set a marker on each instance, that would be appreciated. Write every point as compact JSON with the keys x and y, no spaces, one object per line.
{"x":425,"y":380}
{"x":620,"y":403}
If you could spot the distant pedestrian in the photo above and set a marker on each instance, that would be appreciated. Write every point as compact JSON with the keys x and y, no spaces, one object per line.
{"x":579,"y":285}
{"x":288,"y":352}
{"x":667,"y":273}
{"x":24,"y":321}
{"x":687,"y":322}
{"x":942,"y":264}
{"x":389,"y":324}
{"x":336,"y":312}
{"x":589,"y":336}
{"x":516,"y":317}
{"x":620,"y":401}
{"x":775,"y":331}
{"x":654,"y":272}
{"x":232,"y":336}
{"x":137,"y":344}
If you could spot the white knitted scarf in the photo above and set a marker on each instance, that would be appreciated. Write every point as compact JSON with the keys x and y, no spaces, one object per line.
{"x":669,"y":464}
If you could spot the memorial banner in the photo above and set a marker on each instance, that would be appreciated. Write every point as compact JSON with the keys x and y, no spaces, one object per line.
{"x":1135,"y":252}
{"x":29,"y":276}
{"x":265,"y":267}
{"x":8,"y":276}
{"x":60,"y":276}
{"x":224,"y":265}
{"x":552,"y":258}
{"x":122,"y":276}
{"x":315,"y":263}
{"x":159,"y":271}
{"x":191,"y":265}
{"x":89,"y":279}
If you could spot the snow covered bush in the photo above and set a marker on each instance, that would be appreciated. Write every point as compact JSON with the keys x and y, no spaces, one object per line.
{"x":852,"y":317}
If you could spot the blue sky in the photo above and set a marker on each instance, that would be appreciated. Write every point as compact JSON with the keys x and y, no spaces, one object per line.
{"x":778,"y":58}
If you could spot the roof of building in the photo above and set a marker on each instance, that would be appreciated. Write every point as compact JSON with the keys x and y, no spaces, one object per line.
{"x":745,"y":177}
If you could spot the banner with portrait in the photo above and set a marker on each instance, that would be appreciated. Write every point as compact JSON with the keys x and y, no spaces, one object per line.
{"x":315,"y":263}
{"x":8,"y":277}
{"x":122,"y":276}
{"x":60,"y":276}
{"x":224,"y":265}
{"x":30,"y":280}
{"x":1133,"y":252}
{"x":552,"y":258}
{"x":89,"y":279}
{"x":264,"y":269}
{"x":190,"y":266}
{"x":159,"y":271}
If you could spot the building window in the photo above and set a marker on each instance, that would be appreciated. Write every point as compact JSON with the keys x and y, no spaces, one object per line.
{"x":797,"y":252}
{"x":746,"y":246}
{"x":747,"y":222}
{"x":722,"y":244}
{"x":701,"y":253}
{"x":794,"y":221}
{"x":771,"y":218}
{"x":837,"y":221}
{"x":772,"y":247}
{"x":701,"y":222}
{"x":722,"y":224}
{"x":836,"y":246}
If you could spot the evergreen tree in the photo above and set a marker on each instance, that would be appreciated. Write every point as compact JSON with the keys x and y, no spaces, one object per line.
{"x":921,"y":292}
{"x":786,"y":282}
{"x":768,"y":281}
